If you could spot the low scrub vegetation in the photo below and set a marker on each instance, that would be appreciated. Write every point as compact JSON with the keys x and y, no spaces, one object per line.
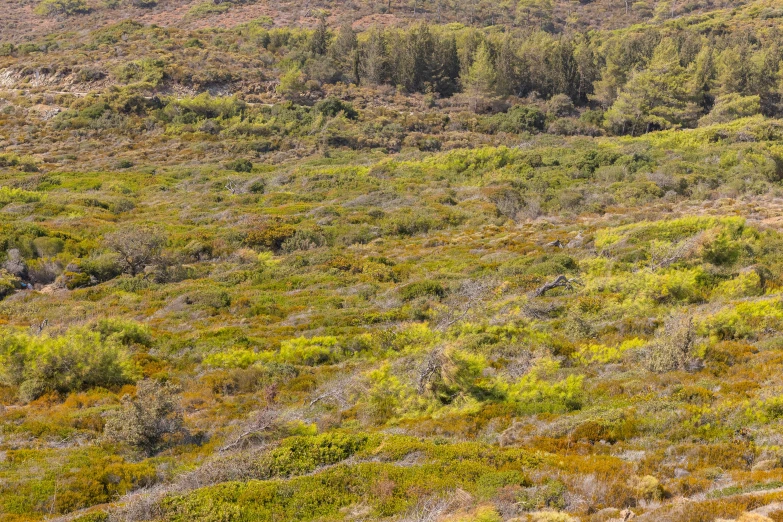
{"x":433,"y":272}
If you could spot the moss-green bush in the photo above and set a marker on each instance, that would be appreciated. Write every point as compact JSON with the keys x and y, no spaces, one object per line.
{"x":78,"y":360}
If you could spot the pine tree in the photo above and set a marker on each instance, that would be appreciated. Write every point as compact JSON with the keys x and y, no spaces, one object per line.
{"x":319,"y":41}
{"x":763,"y":78}
{"x":563,"y":71}
{"x":703,"y":79}
{"x":732,"y":67}
{"x":446,"y":80}
{"x":344,"y":52}
{"x":534,"y":12}
{"x":374,"y":58}
{"x":779,"y":89}
{"x":480,"y":80}
{"x":587,"y":69}
{"x":344,"y":45}
{"x":508,"y":68}
{"x":415,"y":65}
{"x":654,"y":98}
{"x":606,"y":89}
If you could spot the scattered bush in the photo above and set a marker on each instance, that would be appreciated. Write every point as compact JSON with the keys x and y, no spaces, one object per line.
{"x":150,"y":421}
{"x":240,"y":165}
{"x":673,"y":346}
{"x":62,"y":7}
{"x":78,"y":360}
{"x":137,"y":247}
{"x":422,"y":289}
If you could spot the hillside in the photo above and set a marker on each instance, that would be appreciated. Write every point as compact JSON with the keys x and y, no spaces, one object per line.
{"x":24,"y":20}
{"x":334,"y":261}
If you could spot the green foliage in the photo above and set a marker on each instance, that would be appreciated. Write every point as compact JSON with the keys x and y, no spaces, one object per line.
{"x":333,"y":106}
{"x":125,"y":332}
{"x":77,"y":360}
{"x":146,"y":70}
{"x":519,"y":118}
{"x":205,"y":106}
{"x":292,"y":83}
{"x":743,"y":320}
{"x":731,"y":107}
{"x":208,"y":8}
{"x":422,"y":289}
{"x":103,"y":267}
{"x":313,"y":351}
{"x":12,"y":195}
{"x":312,"y":276}
{"x":8,"y":283}
{"x":383,"y":485}
{"x":655,"y":98}
{"x":62,"y":7}
{"x":240,"y":165}
{"x":105,"y":481}
{"x":300,"y":455}
{"x":270,"y":235}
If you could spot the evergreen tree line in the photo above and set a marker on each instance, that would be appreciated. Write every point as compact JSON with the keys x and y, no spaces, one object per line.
{"x":644,"y":80}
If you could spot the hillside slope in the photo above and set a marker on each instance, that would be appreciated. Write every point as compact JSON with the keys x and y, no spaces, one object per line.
{"x":263,"y":265}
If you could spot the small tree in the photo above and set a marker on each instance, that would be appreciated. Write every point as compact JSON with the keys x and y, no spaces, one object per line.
{"x":150,"y":421}
{"x":374,"y":63}
{"x":292,"y":83}
{"x":480,"y":80}
{"x":344,"y":45}
{"x":319,"y":42}
{"x":137,"y":247}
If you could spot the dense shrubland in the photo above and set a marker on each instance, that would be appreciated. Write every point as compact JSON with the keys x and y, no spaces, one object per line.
{"x":267,"y":274}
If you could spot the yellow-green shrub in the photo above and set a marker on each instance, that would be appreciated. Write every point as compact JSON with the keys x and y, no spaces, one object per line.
{"x":76,"y":360}
{"x":312,"y":351}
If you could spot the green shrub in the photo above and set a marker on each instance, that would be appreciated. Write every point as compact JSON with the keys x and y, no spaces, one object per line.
{"x":210,"y":298}
{"x":270,"y":235}
{"x":205,"y":106}
{"x":102,"y":267}
{"x":146,"y":70}
{"x":731,"y":107}
{"x":332,"y":107}
{"x":743,"y":320}
{"x":672,"y":348}
{"x":14,"y":195}
{"x":77,"y":360}
{"x":722,"y":250}
{"x":312,"y":351}
{"x":240,"y":165}
{"x":518,"y":119}
{"x":66,"y":7}
{"x":299,"y":455}
{"x":533,"y":393}
{"x":303,"y":239}
{"x":551,"y":494}
{"x":48,"y":246}
{"x":422,"y":289}
{"x":208,"y":8}
{"x":409,"y":224}
{"x":124,"y":332}
{"x":8,"y":283}
{"x":95,"y":516}
{"x":74,"y":280}
{"x":104,"y":481}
